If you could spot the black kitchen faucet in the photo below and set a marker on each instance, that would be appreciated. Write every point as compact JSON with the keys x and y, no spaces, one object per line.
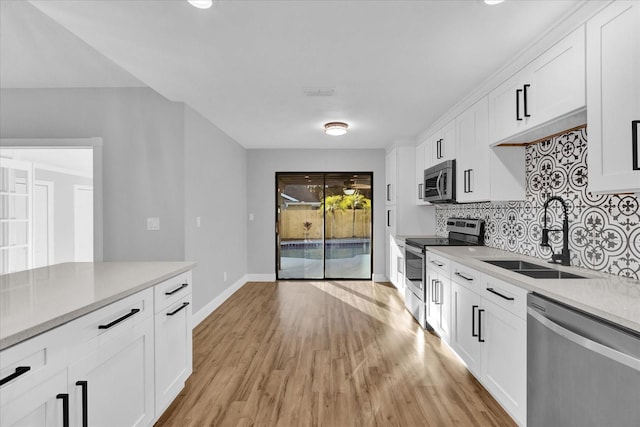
{"x":564,"y":257}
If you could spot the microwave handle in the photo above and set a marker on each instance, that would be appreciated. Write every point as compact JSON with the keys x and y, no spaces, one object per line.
{"x":438,"y":184}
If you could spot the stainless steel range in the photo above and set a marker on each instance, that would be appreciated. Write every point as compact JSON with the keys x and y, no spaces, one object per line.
{"x":462,"y":232}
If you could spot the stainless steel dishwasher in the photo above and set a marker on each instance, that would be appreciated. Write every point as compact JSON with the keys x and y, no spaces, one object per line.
{"x":581,"y":370}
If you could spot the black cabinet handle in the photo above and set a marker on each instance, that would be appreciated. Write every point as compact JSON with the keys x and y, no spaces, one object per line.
{"x":420,"y":192}
{"x":388,"y":192}
{"x":440,"y":148}
{"x":440,"y":292}
{"x":634,"y":144}
{"x":85,"y":402}
{"x":388,"y":218}
{"x":493,"y":291}
{"x":120,"y":319}
{"x":473,"y":320}
{"x":524,"y":100}
{"x":20,"y":370}
{"x":469,"y":279}
{"x":179,"y":288}
{"x":184,"y":304}
{"x":433,"y":290}
{"x":65,"y":408}
{"x":518,"y":91}
{"x":469,"y":178}
{"x":437,"y":263}
{"x":480,"y":338}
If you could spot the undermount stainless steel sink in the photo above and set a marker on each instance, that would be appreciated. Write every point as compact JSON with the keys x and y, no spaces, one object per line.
{"x":530,"y":269}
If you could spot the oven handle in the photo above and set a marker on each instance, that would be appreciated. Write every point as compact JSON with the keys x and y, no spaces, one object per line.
{"x":603,"y":350}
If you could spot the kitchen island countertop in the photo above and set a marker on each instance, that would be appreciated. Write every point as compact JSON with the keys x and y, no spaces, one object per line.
{"x":37,"y":300}
{"x":614,"y":298}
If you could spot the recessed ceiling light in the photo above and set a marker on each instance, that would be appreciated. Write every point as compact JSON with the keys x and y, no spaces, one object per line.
{"x":492,"y":2}
{"x":201,"y":4}
{"x":335,"y":128}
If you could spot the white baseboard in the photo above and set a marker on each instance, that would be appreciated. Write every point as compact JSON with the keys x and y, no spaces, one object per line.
{"x":217,"y":302}
{"x":380,"y":278}
{"x":261,"y":277}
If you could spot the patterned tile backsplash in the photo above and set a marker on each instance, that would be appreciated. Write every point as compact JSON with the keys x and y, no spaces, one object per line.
{"x":604,"y":230}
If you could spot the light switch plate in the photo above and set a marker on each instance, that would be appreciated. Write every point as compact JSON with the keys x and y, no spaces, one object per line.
{"x":153,"y":223}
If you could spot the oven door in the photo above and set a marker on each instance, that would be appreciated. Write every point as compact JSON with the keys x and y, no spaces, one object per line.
{"x":414,"y":271}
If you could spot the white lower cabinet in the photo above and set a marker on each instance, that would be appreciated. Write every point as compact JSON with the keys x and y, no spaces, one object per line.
{"x":504,"y":358}
{"x":120,"y":365}
{"x":489,"y":333}
{"x":396,"y":262}
{"x":117,"y":379}
{"x":439,"y":303}
{"x":42,"y":405}
{"x":173,"y":350}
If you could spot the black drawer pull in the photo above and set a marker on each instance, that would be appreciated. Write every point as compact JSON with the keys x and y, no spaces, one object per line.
{"x":524,"y":100}
{"x":634,"y":144}
{"x":179,"y":288}
{"x":85,"y":402}
{"x":518,"y":91}
{"x":115,"y":322}
{"x":493,"y":291}
{"x":20,"y":370}
{"x":184,"y":304}
{"x":469,"y":279}
{"x":480,"y":338}
{"x":437,"y":264}
{"x":65,"y":408}
{"x":473,"y":320}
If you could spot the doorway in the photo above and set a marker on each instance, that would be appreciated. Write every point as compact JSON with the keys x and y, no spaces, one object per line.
{"x":324,"y":225}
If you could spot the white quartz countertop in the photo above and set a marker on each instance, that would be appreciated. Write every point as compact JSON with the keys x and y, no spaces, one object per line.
{"x":35,"y":301}
{"x":613,"y":298}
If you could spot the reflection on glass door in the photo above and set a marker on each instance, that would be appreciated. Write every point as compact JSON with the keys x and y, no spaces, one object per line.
{"x":323,"y":225}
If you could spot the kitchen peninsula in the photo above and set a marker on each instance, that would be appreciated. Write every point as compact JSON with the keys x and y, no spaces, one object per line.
{"x":114,"y":337}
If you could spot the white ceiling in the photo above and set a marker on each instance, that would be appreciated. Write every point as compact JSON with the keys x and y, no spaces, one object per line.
{"x":394,"y":66}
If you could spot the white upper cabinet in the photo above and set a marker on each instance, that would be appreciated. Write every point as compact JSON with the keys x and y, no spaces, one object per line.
{"x":551,"y":87}
{"x":391,"y":178}
{"x":443,"y":144}
{"x":473,"y":169}
{"x":423,"y":161}
{"x":613,"y":98}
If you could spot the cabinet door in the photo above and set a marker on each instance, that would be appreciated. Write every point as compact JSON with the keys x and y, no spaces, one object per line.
{"x":443,"y":144}
{"x":119,"y":379}
{"x":506,"y":109}
{"x":504,"y":358}
{"x":390,"y":174}
{"x":613,"y":98}
{"x":464,"y":328}
{"x":42,"y":406}
{"x":473,"y":169}
{"x":432,"y":307}
{"x":420,"y":167}
{"x":173,"y":350}
{"x":557,"y":80}
{"x":444,"y":302}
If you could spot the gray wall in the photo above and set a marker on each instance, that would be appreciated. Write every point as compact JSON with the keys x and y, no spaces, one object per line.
{"x":216,"y":191}
{"x":262,"y":166}
{"x":143,"y":158}
{"x":63,"y":211}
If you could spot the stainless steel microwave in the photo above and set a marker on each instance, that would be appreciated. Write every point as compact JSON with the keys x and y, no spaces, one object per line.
{"x":440,"y":183}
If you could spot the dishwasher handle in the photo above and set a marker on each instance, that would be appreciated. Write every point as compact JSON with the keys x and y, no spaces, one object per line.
{"x":584,"y":342}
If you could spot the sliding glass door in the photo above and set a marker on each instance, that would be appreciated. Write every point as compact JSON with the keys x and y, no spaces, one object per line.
{"x":323,"y":225}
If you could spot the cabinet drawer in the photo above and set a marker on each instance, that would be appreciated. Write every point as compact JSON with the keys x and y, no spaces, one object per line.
{"x":465,"y":276}
{"x":439,"y":264}
{"x":108,"y":322}
{"x":505,"y":295}
{"x":172,"y":290}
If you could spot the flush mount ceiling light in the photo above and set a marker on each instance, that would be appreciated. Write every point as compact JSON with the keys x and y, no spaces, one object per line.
{"x":201,"y":4}
{"x":335,"y":128}
{"x":492,"y":2}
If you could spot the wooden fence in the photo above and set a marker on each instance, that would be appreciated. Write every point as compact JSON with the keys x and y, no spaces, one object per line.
{"x":292,"y":224}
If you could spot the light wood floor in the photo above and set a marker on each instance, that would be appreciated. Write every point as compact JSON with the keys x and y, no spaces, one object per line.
{"x":325,"y":354}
